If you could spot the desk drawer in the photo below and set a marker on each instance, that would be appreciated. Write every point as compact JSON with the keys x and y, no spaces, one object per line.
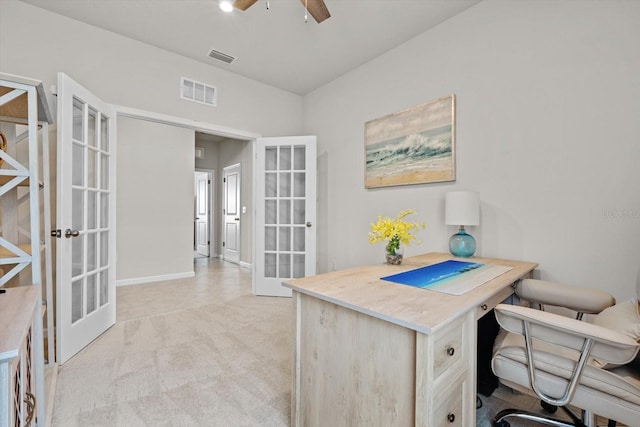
{"x":450,"y":410}
{"x":448,"y":347}
{"x":490,"y":304}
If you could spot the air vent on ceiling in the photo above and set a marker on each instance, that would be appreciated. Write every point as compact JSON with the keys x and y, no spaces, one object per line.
{"x":221,"y":56}
{"x":198,"y":92}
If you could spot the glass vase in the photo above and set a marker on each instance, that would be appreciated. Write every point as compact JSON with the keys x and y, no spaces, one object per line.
{"x":393,"y":256}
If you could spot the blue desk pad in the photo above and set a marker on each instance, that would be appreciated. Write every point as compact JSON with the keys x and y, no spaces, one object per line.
{"x":424,"y":277}
{"x":449,"y":277}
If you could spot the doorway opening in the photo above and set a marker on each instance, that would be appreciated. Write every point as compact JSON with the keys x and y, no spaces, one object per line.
{"x":218,"y":154}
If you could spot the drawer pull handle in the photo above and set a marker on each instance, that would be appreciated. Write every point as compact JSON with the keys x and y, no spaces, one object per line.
{"x":450,"y":351}
{"x":451,"y":417}
{"x":30,"y":402}
{"x":484,"y":307}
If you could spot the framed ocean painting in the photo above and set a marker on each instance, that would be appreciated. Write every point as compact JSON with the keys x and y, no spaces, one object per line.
{"x":414,"y":146}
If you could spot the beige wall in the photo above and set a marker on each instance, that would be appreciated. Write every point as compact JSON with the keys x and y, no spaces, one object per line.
{"x":38,"y":44}
{"x":210,"y":149}
{"x":154,"y":199}
{"x":547,"y":131}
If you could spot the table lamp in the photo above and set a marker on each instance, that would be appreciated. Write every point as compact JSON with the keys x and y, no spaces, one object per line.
{"x":462,"y":208}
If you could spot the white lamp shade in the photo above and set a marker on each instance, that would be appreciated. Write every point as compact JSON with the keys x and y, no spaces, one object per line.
{"x":462,"y":208}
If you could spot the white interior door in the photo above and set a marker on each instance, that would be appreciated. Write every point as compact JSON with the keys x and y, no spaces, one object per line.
{"x":231,"y":214}
{"x":285,"y":197}
{"x":85,"y":286}
{"x":202,"y":213}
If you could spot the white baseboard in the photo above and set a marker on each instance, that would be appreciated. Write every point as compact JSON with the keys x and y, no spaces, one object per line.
{"x":245,"y":265}
{"x":149,"y":279}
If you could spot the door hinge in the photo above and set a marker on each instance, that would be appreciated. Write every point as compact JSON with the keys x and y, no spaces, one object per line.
{"x":208,"y":242}
{"x":223,"y":244}
{"x":209,"y":181}
{"x":224,"y":179}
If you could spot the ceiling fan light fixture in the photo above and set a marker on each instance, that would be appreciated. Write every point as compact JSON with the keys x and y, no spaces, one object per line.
{"x":226,"y":5}
{"x":315,"y":8}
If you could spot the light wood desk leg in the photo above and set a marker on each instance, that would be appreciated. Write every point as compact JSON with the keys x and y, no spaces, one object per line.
{"x":424,"y":377}
{"x":295,"y":360}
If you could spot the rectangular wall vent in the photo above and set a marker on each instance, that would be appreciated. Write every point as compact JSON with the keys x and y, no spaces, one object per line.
{"x":198,"y":92}
{"x":221,"y":56}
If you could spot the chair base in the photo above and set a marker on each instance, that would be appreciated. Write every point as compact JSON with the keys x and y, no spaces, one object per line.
{"x":532,"y":416}
{"x":500,"y":421}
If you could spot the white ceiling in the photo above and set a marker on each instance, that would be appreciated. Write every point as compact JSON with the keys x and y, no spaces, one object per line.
{"x":273,"y":46}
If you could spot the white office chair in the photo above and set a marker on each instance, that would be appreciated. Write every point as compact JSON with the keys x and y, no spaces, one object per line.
{"x":577,"y":363}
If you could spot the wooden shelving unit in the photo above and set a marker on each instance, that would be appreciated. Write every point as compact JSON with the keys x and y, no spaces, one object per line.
{"x":24,"y":245}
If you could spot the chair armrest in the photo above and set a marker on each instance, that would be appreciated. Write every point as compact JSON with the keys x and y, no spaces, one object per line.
{"x":609,"y":346}
{"x":577,"y":298}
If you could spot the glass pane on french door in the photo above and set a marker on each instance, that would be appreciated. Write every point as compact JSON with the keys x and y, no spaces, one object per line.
{"x":284,"y":207}
{"x":90,"y":210}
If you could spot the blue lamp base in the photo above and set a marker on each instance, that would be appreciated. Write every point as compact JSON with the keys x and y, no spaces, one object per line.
{"x":462,"y":244}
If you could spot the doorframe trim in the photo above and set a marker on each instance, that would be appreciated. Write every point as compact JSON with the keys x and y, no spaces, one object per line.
{"x":185,"y":123}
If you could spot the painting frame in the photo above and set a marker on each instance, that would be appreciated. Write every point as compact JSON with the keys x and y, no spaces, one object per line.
{"x":413,"y":146}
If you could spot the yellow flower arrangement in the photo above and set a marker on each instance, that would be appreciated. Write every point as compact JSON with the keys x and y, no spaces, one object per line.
{"x":395,"y":230}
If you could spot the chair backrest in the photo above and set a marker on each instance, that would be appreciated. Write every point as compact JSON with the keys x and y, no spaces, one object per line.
{"x":588,"y":300}
{"x":609,"y":346}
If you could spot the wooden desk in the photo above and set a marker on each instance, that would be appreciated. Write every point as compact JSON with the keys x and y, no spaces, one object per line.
{"x":373,"y":353}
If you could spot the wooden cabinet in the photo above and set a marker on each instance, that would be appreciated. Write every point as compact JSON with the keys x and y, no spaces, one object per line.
{"x":21,"y":358}
{"x":374,"y":353}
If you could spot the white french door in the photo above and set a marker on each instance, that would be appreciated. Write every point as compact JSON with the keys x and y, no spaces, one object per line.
{"x":85,"y":286}
{"x":231,"y":214}
{"x":285,"y":194}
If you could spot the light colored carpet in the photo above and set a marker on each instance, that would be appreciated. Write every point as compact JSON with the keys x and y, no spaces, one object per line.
{"x":196,"y":352}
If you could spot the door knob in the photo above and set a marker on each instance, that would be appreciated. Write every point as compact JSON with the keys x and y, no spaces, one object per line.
{"x":237,"y":219}
{"x":308,"y":223}
{"x":71,"y":233}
